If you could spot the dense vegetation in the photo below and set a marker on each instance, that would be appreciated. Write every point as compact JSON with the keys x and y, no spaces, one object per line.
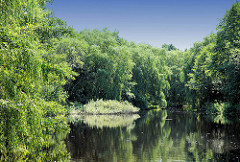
{"x":32,"y":77}
{"x":45,"y":65}
{"x":111,"y":68}
{"x":211,"y":67}
{"x":101,"y":107}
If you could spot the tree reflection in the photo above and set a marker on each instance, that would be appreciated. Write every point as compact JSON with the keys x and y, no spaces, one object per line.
{"x":102,"y":138}
{"x":32,"y":137}
{"x":156,"y":136}
{"x":101,"y":121}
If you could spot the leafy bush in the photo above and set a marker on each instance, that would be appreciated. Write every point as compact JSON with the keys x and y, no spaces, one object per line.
{"x":32,"y":76}
{"x":232,"y":111}
{"x":226,"y":109}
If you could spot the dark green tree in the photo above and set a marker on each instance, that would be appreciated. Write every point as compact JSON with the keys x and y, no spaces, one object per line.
{"x":226,"y":57}
{"x":169,"y":47}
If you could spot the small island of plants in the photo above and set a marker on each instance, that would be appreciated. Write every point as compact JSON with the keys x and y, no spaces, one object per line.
{"x":101,"y":107}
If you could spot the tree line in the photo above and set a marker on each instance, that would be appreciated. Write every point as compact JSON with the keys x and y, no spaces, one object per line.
{"x":208,"y":74}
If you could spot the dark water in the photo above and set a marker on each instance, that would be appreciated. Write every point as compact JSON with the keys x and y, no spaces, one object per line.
{"x":153,"y":136}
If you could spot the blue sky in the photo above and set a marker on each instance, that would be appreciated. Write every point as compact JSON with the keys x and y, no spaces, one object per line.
{"x":180,"y":22}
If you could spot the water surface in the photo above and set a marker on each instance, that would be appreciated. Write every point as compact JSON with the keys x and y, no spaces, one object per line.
{"x":157,"y":135}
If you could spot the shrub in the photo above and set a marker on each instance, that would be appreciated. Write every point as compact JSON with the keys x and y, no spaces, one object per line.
{"x":104,"y":107}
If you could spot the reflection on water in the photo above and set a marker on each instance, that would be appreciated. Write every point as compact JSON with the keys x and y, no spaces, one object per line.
{"x":32,"y":138}
{"x":101,"y":121}
{"x":156,"y":136}
{"x":221,"y":119}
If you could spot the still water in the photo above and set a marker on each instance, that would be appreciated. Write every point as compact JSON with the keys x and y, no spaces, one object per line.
{"x":157,"y":135}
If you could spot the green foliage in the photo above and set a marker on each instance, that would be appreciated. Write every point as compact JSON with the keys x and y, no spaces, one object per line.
{"x":169,"y":47}
{"x":109,"y":107}
{"x":209,"y":71}
{"x":213,"y":74}
{"x":201,"y":78}
{"x":224,"y":112}
{"x":216,"y":107}
{"x":150,"y":75}
{"x":31,"y":83}
{"x":27,"y":134}
{"x":102,"y":107}
{"x":104,"y":66}
{"x":176,"y":61}
{"x":109,"y":67}
{"x":74,"y":108}
{"x":226,"y":58}
{"x":43,"y":62}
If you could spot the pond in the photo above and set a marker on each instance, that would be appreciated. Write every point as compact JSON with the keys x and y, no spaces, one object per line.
{"x":157,"y":135}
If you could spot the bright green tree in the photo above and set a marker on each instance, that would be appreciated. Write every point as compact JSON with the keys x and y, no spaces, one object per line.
{"x":31,"y":80}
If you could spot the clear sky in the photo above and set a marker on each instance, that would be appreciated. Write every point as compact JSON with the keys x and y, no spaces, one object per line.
{"x":180,"y":22}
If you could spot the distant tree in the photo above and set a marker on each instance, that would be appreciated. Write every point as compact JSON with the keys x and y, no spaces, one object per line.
{"x":176,"y":62}
{"x":169,"y":47}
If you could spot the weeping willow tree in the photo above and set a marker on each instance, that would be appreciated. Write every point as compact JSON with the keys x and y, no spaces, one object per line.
{"x":31,"y":82}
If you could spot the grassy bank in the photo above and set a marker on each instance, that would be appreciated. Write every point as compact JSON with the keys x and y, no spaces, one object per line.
{"x":103,"y":107}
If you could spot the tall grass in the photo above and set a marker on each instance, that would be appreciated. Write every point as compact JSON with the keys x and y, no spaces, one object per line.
{"x":103,"y":107}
